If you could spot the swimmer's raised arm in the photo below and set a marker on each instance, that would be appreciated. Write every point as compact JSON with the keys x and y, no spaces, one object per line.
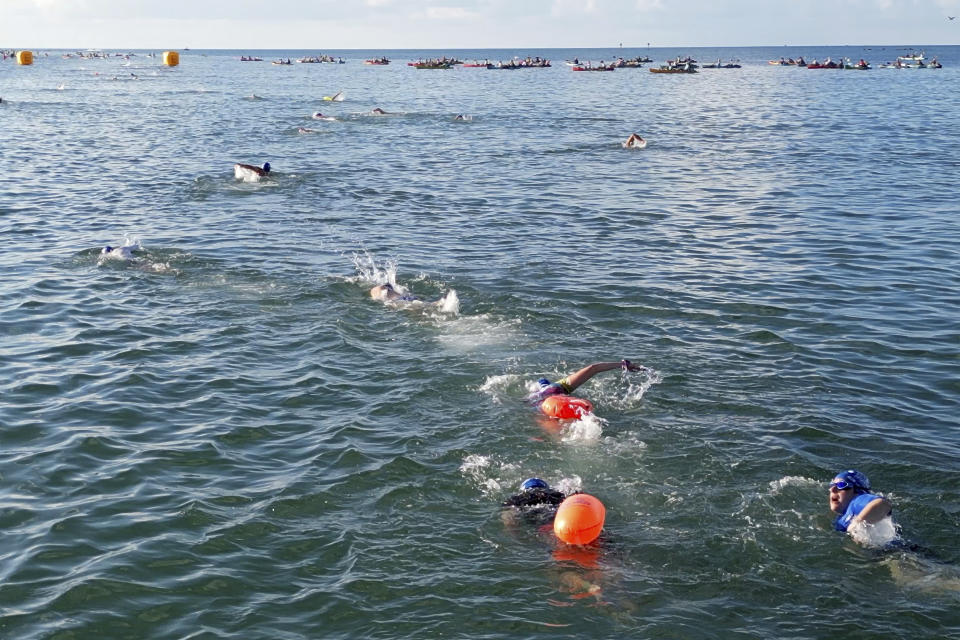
{"x":576,"y":379}
{"x":875,"y":511}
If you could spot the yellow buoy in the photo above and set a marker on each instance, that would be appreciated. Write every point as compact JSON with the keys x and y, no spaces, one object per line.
{"x":171,"y":58}
{"x":24,"y":57}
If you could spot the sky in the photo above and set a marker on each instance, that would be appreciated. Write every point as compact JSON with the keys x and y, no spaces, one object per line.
{"x":469,"y":24}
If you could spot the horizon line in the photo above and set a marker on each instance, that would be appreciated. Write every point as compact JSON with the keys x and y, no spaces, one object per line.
{"x":617,"y":46}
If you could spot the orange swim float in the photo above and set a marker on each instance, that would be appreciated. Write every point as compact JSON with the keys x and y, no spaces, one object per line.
{"x":566,"y":407}
{"x":579,"y":519}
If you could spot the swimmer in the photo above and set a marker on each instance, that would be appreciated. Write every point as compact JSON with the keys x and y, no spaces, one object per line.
{"x":305,"y":130}
{"x":377,"y":111}
{"x":851,"y":500}
{"x":388,"y":293}
{"x":634,"y":142}
{"x":119,"y":253}
{"x":250,"y":173}
{"x":320,"y":116}
{"x":536,"y":503}
{"x":567,"y":385}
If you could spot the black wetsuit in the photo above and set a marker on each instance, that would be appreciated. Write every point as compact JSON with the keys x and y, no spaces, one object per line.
{"x":536,"y":505}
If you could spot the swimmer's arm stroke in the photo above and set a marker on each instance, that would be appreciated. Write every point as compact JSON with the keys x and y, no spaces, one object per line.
{"x":576,"y":379}
{"x":875,"y":511}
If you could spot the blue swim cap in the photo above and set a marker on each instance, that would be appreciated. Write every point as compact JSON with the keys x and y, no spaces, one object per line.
{"x":107,"y":249}
{"x":266,"y":167}
{"x":543,"y":382}
{"x":533,"y":483}
{"x":858,"y":480}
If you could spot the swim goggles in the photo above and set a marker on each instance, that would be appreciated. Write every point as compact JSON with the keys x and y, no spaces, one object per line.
{"x":842,"y":485}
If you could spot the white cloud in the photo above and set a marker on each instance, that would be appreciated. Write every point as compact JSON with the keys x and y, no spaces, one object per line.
{"x":649,"y":5}
{"x":378,"y":3}
{"x":450,"y":13}
{"x":562,"y":8}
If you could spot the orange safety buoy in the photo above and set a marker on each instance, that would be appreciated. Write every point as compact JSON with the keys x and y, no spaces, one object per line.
{"x":566,"y":407}
{"x":579,"y":519}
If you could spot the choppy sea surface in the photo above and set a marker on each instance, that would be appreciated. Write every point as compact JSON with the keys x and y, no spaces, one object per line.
{"x":225,"y":437}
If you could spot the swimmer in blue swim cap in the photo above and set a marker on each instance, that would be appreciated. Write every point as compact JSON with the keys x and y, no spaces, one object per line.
{"x":536,"y":503}
{"x":568,"y":384}
{"x":851,"y":499}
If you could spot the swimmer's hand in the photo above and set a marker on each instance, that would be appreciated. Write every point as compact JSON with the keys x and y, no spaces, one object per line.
{"x":626,"y":365}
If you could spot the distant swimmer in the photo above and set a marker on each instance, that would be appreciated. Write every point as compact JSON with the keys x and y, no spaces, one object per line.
{"x":305,"y":130}
{"x":250,"y":173}
{"x":634,"y":142}
{"x":119,"y":253}
{"x":390,"y":294}
{"x":320,"y":116}
{"x":851,"y":499}
{"x":377,"y":111}
{"x":387,"y":293}
{"x":554,"y":400}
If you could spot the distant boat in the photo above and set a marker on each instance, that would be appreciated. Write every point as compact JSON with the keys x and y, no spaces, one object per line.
{"x":914,"y":56}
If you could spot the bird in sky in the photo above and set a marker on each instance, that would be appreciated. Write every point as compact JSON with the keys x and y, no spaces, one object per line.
{"x":951,"y":17}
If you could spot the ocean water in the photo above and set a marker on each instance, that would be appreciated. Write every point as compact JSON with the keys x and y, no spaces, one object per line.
{"x":225,"y":437}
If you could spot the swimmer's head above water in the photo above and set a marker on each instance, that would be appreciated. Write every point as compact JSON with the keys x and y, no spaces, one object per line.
{"x":388,"y":293}
{"x":533,"y":483}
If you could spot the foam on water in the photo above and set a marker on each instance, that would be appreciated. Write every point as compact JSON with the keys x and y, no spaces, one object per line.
{"x":500,"y":387}
{"x":466,"y":333}
{"x":876,"y":535}
{"x":587,"y":429}
{"x":776,"y":486}
{"x":497,"y":478}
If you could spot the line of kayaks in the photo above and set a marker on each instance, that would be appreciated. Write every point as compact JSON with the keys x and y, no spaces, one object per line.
{"x":911,"y":61}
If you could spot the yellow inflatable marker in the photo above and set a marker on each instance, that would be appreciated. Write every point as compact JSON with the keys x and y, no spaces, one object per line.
{"x":24,"y":57}
{"x":171,"y":58}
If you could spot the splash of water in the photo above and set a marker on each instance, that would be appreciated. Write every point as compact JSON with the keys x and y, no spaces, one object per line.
{"x":369,"y":271}
{"x":875,"y":536}
{"x":124,"y":252}
{"x":588,"y":428}
{"x":638,"y":386}
{"x":450,"y":303}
